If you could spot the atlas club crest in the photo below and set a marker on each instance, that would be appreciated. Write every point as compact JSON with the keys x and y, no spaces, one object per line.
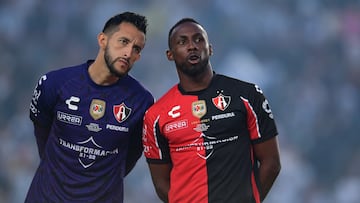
{"x":121,"y":112}
{"x":221,"y":101}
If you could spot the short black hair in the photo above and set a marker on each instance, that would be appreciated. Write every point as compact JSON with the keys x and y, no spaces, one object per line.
{"x":184,"y":20}
{"x":139,"y":21}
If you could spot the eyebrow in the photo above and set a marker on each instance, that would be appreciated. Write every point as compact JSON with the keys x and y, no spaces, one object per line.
{"x":128,"y":40}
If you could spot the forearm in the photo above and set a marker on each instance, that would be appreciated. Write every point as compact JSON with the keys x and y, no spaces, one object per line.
{"x":131,"y":159}
{"x":268,"y":174}
{"x":160,"y":174}
{"x":135,"y":149}
{"x":162,"y":192}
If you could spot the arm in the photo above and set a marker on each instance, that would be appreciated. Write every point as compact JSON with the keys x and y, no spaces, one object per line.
{"x":160,"y":174}
{"x":268,"y":155}
{"x":41,"y":134}
{"x":135,"y":149}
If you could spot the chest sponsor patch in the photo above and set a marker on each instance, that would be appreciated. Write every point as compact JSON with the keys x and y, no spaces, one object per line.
{"x":199,"y":108}
{"x":69,"y":118}
{"x":97,"y":108}
{"x":89,"y":151}
{"x":177,"y":125}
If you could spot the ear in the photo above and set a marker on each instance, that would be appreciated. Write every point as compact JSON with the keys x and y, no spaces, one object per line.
{"x":210,"y":50}
{"x":102,"y":40}
{"x":169,"y":55}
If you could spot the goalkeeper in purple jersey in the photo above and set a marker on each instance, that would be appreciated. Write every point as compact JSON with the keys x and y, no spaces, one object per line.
{"x":88,"y":120}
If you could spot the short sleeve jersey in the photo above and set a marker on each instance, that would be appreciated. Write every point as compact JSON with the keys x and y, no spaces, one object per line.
{"x":91,"y":127}
{"x":208,"y":137}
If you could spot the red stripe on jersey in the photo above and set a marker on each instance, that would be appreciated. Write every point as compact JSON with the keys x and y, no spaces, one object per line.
{"x":255,"y":189}
{"x":252,"y":120}
{"x":170,"y":135}
{"x":149,"y":136}
{"x":155,"y":138}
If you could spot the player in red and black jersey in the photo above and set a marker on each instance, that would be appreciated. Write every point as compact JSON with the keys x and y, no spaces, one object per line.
{"x":211,"y":138}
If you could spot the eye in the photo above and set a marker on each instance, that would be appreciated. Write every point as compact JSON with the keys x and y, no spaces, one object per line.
{"x":198,"y":39}
{"x":123,"y":41}
{"x":181,"y":41}
{"x":137,"y":50}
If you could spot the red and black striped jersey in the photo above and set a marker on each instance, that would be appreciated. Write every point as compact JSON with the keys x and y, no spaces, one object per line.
{"x":208,"y":137}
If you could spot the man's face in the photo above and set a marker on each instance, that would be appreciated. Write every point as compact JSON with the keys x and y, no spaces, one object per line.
{"x":190,"y":48}
{"x":123,"y":49}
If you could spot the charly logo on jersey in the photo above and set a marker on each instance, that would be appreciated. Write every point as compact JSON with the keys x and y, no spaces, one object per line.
{"x":174,"y":112}
{"x":221,"y":101}
{"x":198,"y":108}
{"x":121,"y":112}
{"x":71,"y":103}
{"x":97,"y":109}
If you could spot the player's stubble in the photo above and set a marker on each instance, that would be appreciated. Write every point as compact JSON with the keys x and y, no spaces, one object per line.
{"x":110,"y":64}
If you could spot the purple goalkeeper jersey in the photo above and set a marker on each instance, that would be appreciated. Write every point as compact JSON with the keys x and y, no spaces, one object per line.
{"x":95,"y":131}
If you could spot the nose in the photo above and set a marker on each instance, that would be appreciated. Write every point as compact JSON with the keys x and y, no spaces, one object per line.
{"x":192,"y":45}
{"x":128,"y":50}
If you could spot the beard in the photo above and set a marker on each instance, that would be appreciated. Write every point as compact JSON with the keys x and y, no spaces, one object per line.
{"x":193,"y":70}
{"x":110,"y":64}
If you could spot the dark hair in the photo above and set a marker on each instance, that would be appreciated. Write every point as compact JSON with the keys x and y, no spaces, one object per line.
{"x":184,"y":20}
{"x":139,"y":21}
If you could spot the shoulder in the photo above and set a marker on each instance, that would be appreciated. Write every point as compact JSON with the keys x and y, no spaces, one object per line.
{"x":235,"y":84}
{"x":232,"y":80}
{"x":67,"y":72}
{"x":62,"y":75}
{"x":139,"y":88}
{"x":53,"y":80}
{"x":168,"y":99}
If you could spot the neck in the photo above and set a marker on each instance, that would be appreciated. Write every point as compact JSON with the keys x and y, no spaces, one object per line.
{"x":196,"y":83}
{"x":100,"y":74}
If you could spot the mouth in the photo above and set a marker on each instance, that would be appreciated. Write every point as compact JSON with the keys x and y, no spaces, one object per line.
{"x":193,"y":58}
{"x":123,"y":61}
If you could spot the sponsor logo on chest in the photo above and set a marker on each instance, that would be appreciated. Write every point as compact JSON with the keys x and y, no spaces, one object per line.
{"x":177,"y":125}
{"x":69,"y":118}
{"x":97,"y":109}
{"x":198,"y":108}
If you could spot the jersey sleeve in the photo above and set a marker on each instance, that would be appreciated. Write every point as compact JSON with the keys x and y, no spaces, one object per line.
{"x":135,"y":142}
{"x":156,"y":148}
{"x":43,"y":101}
{"x":260,"y":119}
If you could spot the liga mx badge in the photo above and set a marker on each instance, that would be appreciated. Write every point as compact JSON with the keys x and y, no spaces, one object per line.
{"x":121,"y":112}
{"x":221,"y":102}
{"x":97,"y":108}
{"x":199,"y":108}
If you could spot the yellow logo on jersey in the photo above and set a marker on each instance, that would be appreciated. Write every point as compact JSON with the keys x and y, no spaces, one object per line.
{"x":199,"y":108}
{"x":97,"y":108}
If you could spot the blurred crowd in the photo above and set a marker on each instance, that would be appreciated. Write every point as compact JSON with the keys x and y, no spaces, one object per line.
{"x":304,"y":54}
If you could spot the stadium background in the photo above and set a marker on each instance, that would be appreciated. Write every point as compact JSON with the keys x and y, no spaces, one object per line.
{"x":305,"y":54}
